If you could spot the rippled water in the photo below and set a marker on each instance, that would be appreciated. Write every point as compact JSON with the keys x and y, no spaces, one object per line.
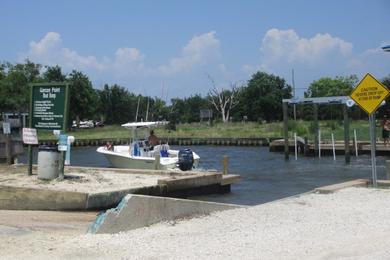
{"x":265,"y":176}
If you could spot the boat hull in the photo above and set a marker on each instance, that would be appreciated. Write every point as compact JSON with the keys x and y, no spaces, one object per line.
{"x":120,"y":159}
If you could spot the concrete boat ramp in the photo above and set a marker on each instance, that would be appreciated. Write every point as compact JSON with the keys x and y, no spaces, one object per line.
{"x":101,"y":188}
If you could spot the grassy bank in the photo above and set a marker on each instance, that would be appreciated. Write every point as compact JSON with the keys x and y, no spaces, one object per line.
{"x":229,"y":130}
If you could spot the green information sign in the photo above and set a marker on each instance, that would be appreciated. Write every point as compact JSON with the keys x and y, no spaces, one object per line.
{"x":49,"y":106}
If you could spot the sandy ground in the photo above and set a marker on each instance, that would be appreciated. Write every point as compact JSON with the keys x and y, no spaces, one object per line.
{"x":87,"y":180}
{"x":351,"y":224}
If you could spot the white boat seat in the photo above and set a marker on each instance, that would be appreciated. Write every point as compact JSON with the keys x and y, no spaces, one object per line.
{"x":162,"y":149}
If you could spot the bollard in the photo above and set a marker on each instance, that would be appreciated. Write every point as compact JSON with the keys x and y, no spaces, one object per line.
{"x":157,"y":161}
{"x":225,"y":163}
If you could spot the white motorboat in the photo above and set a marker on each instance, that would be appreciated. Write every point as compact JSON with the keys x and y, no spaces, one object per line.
{"x":139,"y":155}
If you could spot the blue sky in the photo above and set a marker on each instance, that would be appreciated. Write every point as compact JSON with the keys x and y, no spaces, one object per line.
{"x":167,"y":48}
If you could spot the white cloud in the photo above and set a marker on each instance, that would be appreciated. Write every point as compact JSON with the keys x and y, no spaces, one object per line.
{"x":287,"y":46}
{"x":319,"y":56}
{"x":128,"y":61}
{"x":49,"y":51}
{"x":198,"y":51}
{"x":127,"y":66}
{"x":374,"y":60}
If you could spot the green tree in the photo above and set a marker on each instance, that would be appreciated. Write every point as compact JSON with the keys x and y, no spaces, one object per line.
{"x":83,"y":98}
{"x":30,"y":70}
{"x":14,"y":89}
{"x":187,"y":110}
{"x":53,"y":74}
{"x":327,"y":87}
{"x":159,"y":110}
{"x":262,"y":98}
{"x":117,"y":105}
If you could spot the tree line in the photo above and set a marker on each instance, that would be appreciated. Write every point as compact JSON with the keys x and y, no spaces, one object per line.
{"x":258,"y":99}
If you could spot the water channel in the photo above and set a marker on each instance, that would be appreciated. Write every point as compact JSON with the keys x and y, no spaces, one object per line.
{"x":265,"y":176}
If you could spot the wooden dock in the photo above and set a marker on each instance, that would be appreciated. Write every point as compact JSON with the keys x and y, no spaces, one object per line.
{"x":327,"y":149}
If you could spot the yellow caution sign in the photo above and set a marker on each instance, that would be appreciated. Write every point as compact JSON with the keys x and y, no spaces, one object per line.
{"x":369,"y":94}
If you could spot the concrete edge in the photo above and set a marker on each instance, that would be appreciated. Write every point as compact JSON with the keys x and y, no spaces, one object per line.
{"x":110,"y":199}
{"x":342,"y":185}
{"x":191,"y":181}
{"x":20,"y":198}
{"x":137,"y":211}
{"x":228,"y":179}
{"x":131,"y":171}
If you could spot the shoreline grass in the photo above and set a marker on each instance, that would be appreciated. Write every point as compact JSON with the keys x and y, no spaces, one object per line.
{"x":229,"y":130}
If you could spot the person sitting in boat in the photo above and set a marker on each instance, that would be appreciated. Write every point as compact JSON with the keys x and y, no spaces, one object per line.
{"x":152,"y":139}
{"x":109,"y":146}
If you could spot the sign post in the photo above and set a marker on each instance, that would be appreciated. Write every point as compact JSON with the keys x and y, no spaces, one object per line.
{"x":373,"y":148}
{"x":369,"y":94}
{"x":8,"y":141}
{"x":48,"y":110}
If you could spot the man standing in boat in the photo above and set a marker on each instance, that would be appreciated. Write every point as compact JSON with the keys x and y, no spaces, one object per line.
{"x":152,"y":139}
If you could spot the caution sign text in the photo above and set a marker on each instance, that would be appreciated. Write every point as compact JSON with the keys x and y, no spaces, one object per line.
{"x":369,"y":94}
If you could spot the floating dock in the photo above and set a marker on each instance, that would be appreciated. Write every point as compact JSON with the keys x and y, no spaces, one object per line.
{"x":327,"y":148}
{"x":86,"y":188}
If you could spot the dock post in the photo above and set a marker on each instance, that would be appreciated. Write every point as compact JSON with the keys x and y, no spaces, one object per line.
{"x":388,"y":169}
{"x":355,"y":142}
{"x":285,"y":130}
{"x":157,"y":161}
{"x":319,"y":143}
{"x":8,"y":148}
{"x":295,"y":146}
{"x":346,"y":135}
{"x":306,"y":147}
{"x":316,"y":128}
{"x":333,"y":148}
{"x":225,"y":163}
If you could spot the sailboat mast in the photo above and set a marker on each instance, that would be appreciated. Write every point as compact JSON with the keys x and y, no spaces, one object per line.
{"x":136,"y":114}
{"x":147,"y":111}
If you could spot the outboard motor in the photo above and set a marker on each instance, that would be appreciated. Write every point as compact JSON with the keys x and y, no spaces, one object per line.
{"x":186,"y":159}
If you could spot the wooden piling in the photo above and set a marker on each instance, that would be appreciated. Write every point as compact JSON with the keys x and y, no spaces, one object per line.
{"x":285,"y":130}
{"x":8,"y":148}
{"x":316,"y":128}
{"x":157,"y":161}
{"x":306,"y":147}
{"x":346,"y":134}
{"x":225,"y":164}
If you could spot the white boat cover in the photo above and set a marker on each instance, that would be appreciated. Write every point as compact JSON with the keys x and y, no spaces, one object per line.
{"x":134,"y":125}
